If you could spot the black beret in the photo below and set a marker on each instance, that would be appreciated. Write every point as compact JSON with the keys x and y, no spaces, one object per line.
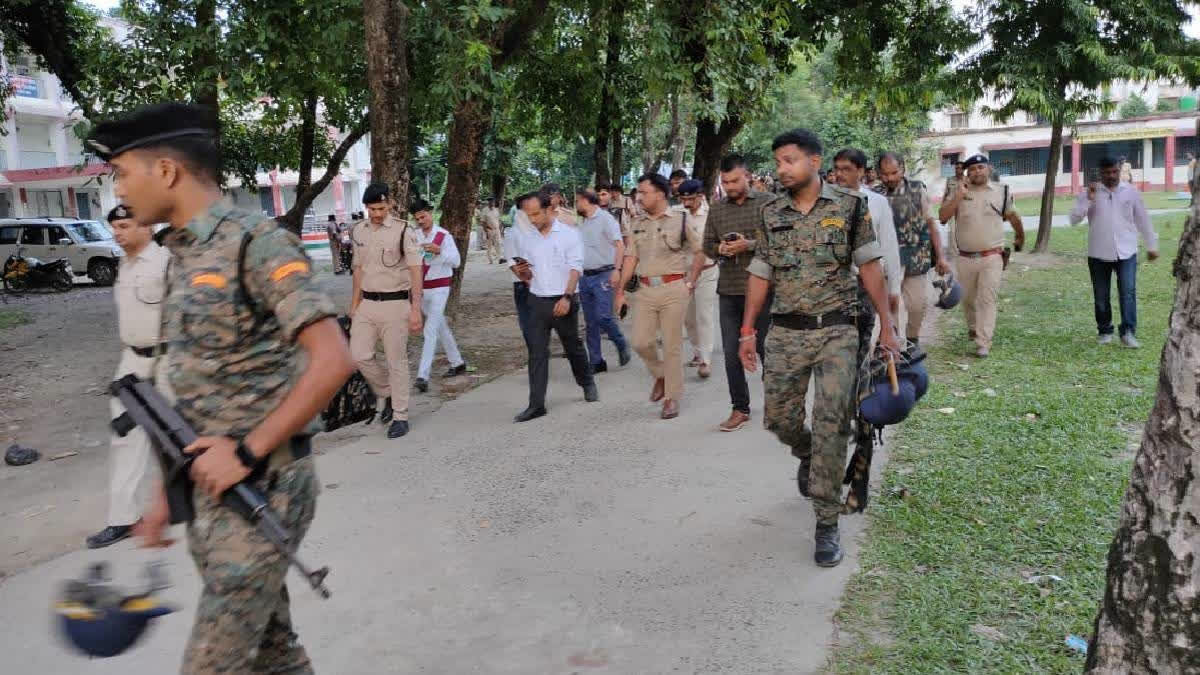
{"x":119,"y":212}
{"x":690,"y":186}
{"x":375,"y":193}
{"x":149,"y":125}
{"x":973,"y":160}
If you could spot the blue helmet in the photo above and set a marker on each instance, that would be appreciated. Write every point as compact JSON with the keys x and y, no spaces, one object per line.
{"x":100,"y":620}
{"x":950,"y":292}
{"x":882,"y":408}
{"x":911,"y":367}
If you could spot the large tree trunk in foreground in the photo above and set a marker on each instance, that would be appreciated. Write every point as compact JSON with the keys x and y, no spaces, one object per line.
{"x":712,"y":142}
{"x":1149,"y":621}
{"x":386,"y":24}
{"x":464,"y":158}
{"x":1052,"y":164}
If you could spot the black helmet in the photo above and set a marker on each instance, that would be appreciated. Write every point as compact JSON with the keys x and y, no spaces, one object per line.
{"x":99,"y":619}
{"x":949,"y":292}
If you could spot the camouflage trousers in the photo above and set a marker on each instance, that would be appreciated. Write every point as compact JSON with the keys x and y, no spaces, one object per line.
{"x":243,"y":621}
{"x":829,"y":356}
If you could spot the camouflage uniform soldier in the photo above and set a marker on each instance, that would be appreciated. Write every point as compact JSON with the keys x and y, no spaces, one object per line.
{"x":241,"y":299}
{"x":807,"y":242}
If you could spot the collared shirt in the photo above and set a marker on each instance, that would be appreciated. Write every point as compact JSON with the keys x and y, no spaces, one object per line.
{"x":910,"y":211}
{"x":728,"y":217}
{"x":1114,"y":221}
{"x":441,"y":265}
{"x":979,"y":217}
{"x":885,"y":232}
{"x":600,"y":232}
{"x":233,"y":354}
{"x":384,"y":254}
{"x":808,"y":256}
{"x":491,"y":217}
{"x":139,"y":291}
{"x":661,"y":244}
{"x":552,"y":256}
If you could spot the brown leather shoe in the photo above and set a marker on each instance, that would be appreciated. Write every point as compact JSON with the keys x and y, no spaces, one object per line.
{"x":737,"y":420}
{"x":670,"y":409}
{"x":704,"y":371}
{"x":659,"y":390}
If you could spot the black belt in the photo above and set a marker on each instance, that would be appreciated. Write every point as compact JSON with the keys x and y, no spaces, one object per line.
{"x":150,"y":352}
{"x":598,"y":270}
{"x":391,"y":295}
{"x":812,"y":321}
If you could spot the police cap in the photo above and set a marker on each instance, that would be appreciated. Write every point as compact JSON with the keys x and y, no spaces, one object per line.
{"x":690,"y":187}
{"x":119,"y":212}
{"x":150,"y":125}
{"x":973,"y":160}
{"x":375,"y":193}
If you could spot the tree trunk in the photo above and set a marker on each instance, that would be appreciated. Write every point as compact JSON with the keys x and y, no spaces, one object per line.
{"x":205,"y":58}
{"x":600,"y":145}
{"x":618,"y":154}
{"x":1149,"y":620}
{"x":608,"y":103}
{"x":386,"y":25}
{"x":306,"y":197}
{"x":712,"y":142}
{"x":673,"y":140}
{"x":294,"y":218}
{"x":648,"y":154}
{"x":464,"y":156}
{"x":499,"y":186}
{"x":1046,"y":221}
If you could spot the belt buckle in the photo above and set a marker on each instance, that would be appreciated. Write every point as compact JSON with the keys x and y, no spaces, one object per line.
{"x":655,"y":281}
{"x":820,"y":320}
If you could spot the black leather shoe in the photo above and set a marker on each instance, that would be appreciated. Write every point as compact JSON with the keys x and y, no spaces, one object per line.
{"x":802,"y":475}
{"x":398,"y":428}
{"x":109,"y":536}
{"x":529,"y":414}
{"x":590,"y":393}
{"x":421,"y":384}
{"x":385,"y":415}
{"x":455,"y":371}
{"x":503,"y":260}
{"x":624,"y":357}
{"x":601,"y":367}
{"x":829,"y":548}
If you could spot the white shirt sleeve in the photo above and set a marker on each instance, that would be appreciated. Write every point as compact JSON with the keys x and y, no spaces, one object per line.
{"x":574,"y":252}
{"x":1141,"y":218}
{"x":1082,"y":204}
{"x":449,"y":254}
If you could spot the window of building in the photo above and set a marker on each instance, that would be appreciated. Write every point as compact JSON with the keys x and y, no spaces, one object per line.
{"x":1020,"y":162}
{"x":959,"y":120}
{"x":1183,"y":145}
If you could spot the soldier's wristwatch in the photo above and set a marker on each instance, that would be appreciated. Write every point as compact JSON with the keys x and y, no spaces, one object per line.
{"x":246,"y":457}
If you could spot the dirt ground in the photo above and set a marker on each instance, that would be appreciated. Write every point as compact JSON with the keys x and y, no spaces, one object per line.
{"x":53,"y":397}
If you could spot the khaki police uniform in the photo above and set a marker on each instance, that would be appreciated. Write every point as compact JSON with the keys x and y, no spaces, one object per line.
{"x":139,"y":292}
{"x":700,"y":319}
{"x":231,"y":330}
{"x":979,"y":234}
{"x":384,"y":256}
{"x":808,"y":257}
{"x":663,"y":253}
{"x":491,"y":232}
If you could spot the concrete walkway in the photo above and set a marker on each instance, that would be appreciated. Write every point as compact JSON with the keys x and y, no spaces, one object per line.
{"x":599,"y":539}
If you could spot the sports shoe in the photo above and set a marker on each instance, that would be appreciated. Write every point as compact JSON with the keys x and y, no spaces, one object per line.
{"x":109,"y":536}
{"x":1105,"y":339}
{"x":828,"y":551}
{"x":1129,"y":341}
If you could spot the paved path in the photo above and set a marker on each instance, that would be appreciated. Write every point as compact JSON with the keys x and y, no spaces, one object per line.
{"x":599,"y":539}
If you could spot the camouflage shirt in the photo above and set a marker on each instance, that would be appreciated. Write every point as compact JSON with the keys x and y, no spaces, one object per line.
{"x":808,"y":255}
{"x":233,"y":358}
{"x":910,"y":208}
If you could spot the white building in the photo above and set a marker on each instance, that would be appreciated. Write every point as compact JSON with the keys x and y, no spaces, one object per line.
{"x":45,"y":170}
{"x":1156,"y":145}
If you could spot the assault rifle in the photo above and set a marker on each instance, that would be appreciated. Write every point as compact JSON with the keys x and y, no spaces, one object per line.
{"x":145,"y":407}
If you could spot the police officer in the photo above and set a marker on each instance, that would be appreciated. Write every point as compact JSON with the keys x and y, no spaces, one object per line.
{"x":385,"y":304}
{"x":662,"y":241}
{"x":808,"y":240}
{"x":700,"y":318}
{"x":138,"y":292}
{"x":241,"y":303}
{"x":491,"y":231}
{"x":335,"y":243}
{"x":979,"y":208}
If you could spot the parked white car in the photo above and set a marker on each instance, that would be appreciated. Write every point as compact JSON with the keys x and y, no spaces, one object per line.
{"x":87,"y":244}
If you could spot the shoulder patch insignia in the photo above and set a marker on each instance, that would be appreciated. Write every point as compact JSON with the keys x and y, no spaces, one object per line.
{"x":833,"y":222}
{"x":214,"y":280}
{"x":287,"y":269}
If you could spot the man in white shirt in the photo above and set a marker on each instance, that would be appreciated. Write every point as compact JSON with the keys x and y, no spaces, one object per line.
{"x":439,"y":257}
{"x":138,"y":291}
{"x":1116,"y":215}
{"x":700,"y":319}
{"x":549,"y":260}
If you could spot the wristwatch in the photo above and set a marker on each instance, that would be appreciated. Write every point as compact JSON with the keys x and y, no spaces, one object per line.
{"x":246,"y":457}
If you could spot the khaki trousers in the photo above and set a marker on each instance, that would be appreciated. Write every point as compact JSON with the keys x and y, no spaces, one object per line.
{"x":385,"y":321}
{"x":491,"y":236}
{"x":980,"y":279}
{"x":914,"y":290}
{"x":701,"y":314}
{"x":661,"y":309}
{"x":129,"y":457}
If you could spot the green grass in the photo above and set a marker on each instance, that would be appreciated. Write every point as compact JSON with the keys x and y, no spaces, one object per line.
{"x":10,"y":318}
{"x":1032,"y":206}
{"x":1027,"y":481}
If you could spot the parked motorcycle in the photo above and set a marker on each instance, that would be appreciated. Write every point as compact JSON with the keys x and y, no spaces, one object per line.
{"x":22,"y":273}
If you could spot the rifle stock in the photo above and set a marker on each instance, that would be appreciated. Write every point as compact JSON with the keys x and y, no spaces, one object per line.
{"x":145,"y":407}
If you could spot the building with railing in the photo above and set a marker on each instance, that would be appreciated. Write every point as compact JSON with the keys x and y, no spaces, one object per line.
{"x":1155,"y":144}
